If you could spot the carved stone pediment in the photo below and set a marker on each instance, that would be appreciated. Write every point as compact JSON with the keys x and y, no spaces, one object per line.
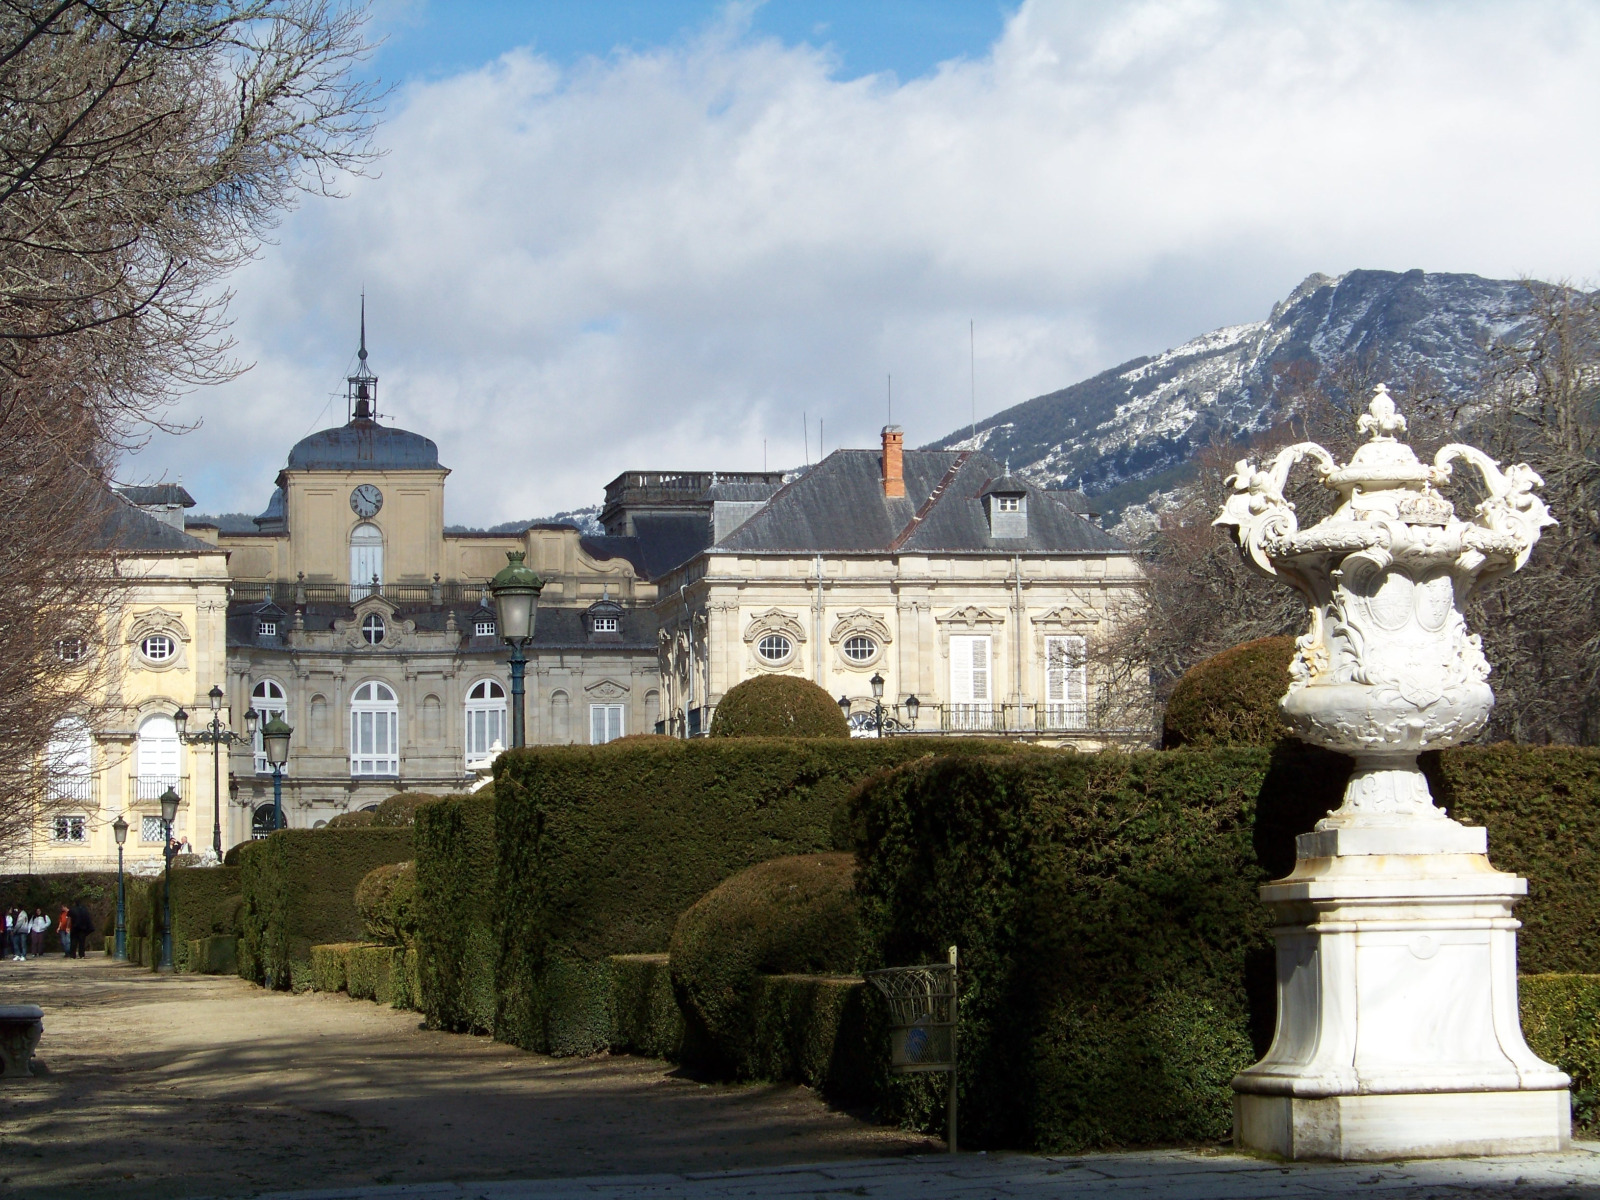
{"x":1064,"y":616}
{"x":972,"y":616}
{"x":775,"y":620}
{"x":607,"y":689}
{"x":861,"y":621}
{"x":157,"y":620}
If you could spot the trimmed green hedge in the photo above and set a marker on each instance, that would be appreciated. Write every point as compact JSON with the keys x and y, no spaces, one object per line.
{"x":784,"y":706}
{"x":328,"y":966}
{"x":787,"y":916}
{"x":198,"y":893}
{"x":601,"y":848}
{"x":299,"y":891}
{"x":214,"y":955}
{"x":386,"y":901}
{"x":646,"y":1018}
{"x":456,"y":902}
{"x":1117,"y":963}
{"x":1541,"y":805}
{"x":1231,"y":699}
{"x":1561,"y":1020}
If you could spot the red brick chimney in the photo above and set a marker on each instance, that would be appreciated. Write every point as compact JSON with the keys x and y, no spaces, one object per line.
{"x":894,"y":480}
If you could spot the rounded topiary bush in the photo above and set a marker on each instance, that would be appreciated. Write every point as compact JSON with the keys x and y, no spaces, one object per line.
{"x":400,"y":809}
{"x":386,"y":901}
{"x":778,"y":706}
{"x":789,"y":916}
{"x":1231,"y":699}
{"x":350,"y":820}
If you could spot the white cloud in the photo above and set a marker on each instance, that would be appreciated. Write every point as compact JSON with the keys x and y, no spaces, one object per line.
{"x":660,"y":259}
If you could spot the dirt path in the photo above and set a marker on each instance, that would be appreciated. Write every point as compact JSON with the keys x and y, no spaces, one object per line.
{"x":207,"y":1086}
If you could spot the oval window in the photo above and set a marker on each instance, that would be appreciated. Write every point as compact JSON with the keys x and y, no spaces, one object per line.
{"x":158,"y":647}
{"x":774,"y":647}
{"x":372,"y":628}
{"x":860,"y":648}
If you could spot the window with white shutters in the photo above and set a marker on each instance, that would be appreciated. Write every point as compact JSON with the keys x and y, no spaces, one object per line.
{"x":486,"y":719}
{"x":1066,"y":690}
{"x":605,"y":723}
{"x":971,"y":701}
{"x":374,"y":731}
{"x":366,"y":559}
{"x":269,"y":700}
{"x":158,"y":754}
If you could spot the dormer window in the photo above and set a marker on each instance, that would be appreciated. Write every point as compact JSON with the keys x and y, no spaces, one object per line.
{"x":1008,"y":504}
{"x":605,"y":624}
{"x":372,"y":629}
{"x":483,"y":629}
{"x":266,"y":628}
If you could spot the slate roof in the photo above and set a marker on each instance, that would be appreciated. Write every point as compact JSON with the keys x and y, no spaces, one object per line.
{"x":839,"y":506}
{"x":127,"y":529}
{"x":557,"y":628}
{"x":157,"y":493}
{"x":663,"y":541}
{"x":361,"y":445}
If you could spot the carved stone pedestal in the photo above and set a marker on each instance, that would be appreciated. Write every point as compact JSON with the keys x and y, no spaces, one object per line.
{"x":1398,"y":1031}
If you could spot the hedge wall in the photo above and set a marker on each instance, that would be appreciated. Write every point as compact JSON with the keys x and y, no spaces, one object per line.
{"x":455,"y":907}
{"x":1541,"y":805}
{"x":299,"y":890}
{"x":1561,"y":1020}
{"x":199,"y":896}
{"x":1118,"y":967}
{"x":601,"y":848}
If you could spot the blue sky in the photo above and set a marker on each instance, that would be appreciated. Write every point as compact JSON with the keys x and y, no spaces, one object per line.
{"x":431,"y":39}
{"x":622,"y":236}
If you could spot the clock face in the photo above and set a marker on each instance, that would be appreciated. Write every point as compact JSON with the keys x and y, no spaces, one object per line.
{"x":366,"y":500}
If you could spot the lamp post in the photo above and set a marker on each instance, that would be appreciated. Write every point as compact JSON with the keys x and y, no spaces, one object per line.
{"x":216,"y":734}
{"x":169,"y":814}
{"x":881,"y":723}
{"x":119,"y":829}
{"x":275,"y":740}
{"x":516,"y":600}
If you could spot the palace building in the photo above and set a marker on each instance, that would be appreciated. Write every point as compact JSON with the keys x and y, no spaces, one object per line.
{"x":351,"y":612}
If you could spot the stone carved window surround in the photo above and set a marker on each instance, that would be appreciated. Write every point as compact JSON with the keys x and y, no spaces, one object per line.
{"x":775,"y":621}
{"x":860,"y":622}
{"x":159,"y":622}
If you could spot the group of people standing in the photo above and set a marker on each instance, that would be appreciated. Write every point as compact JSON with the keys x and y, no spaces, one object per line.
{"x":25,"y":932}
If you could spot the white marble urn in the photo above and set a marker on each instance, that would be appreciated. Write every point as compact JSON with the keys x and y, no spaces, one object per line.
{"x":1388,"y":667}
{"x":1398,"y":1033}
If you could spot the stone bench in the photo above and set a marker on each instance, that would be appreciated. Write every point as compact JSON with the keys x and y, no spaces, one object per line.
{"x":21,"y":1027}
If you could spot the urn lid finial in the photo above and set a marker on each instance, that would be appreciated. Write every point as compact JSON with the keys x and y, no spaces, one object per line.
{"x":1381,"y":417}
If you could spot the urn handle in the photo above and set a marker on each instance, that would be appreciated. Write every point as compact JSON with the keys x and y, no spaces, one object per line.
{"x":1512,"y":507}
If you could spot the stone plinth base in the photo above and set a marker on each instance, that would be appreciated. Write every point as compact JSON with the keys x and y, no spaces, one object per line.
{"x":1414,"y":1125}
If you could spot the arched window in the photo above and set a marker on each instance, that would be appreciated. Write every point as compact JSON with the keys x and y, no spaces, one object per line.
{"x":261,"y":822}
{"x":374,"y":730}
{"x":366,"y":559}
{"x":560,"y":718}
{"x":486,"y":719}
{"x":157,"y":757}
{"x":68,"y":760}
{"x":269,"y":700}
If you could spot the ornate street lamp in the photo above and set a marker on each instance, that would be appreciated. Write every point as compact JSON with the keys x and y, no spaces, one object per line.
{"x":275,"y":741}
{"x":516,"y":600}
{"x":876,"y":683}
{"x":119,"y":830}
{"x":216,"y":734}
{"x":169,"y":814}
{"x":844,"y":705}
{"x":913,"y":706}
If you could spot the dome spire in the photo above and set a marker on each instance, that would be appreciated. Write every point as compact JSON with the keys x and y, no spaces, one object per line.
{"x":361,"y":396}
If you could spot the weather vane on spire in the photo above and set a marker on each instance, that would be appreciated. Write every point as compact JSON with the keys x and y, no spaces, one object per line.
{"x":361,"y":398}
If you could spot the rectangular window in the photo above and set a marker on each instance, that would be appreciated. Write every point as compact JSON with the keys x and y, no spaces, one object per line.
{"x":1066,"y":682}
{"x":971,"y":703}
{"x":1009,"y":503}
{"x":267,"y":628}
{"x":605,"y":723}
{"x":152,"y":830}
{"x":485,"y":727}
{"x":374,"y":742}
{"x":605,"y":624}
{"x":69,"y":829}
{"x":483,"y":629}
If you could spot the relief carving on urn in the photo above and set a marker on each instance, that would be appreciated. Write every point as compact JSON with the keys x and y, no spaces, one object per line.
{"x":1387,"y":667}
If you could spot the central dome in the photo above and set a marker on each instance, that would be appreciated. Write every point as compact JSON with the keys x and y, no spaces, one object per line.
{"x":364,"y":445}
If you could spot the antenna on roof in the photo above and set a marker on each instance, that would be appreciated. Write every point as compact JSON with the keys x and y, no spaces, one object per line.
{"x":361,"y":389}
{"x":890,"y":421}
{"x":805,"y":425}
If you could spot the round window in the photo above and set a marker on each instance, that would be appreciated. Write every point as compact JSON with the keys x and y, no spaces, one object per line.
{"x":860,"y":648}
{"x":158,"y":647}
{"x":372,"y":628}
{"x":774,"y":647}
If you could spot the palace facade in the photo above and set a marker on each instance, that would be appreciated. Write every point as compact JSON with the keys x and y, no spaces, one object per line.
{"x":352,"y":613}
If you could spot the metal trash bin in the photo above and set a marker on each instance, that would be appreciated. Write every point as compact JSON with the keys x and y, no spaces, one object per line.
{"x":924,"y":1013}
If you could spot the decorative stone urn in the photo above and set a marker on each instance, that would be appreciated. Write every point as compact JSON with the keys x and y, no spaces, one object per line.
{"x":1398,"y":1033}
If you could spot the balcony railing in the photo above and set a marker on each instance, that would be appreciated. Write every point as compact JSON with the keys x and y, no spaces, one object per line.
{"x":71,"y":788}
{"x":150,"y":787}
{"x":993,"y":720}
{"x":289,"y":596}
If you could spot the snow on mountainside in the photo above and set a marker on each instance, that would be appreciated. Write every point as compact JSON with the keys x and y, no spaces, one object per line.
{"x":1132,"y":430}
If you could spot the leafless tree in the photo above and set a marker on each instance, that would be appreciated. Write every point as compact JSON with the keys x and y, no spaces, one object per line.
{"x":146,"y":148}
